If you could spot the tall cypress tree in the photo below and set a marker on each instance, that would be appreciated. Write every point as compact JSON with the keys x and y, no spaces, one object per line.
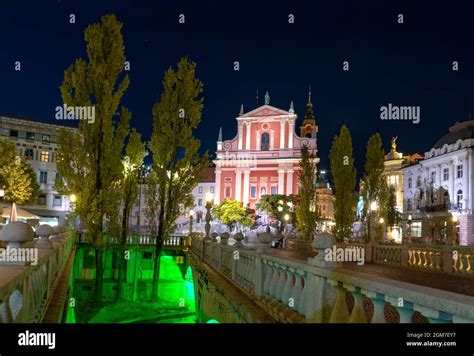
{"x":343,"y":176}
{"x":89,"y":160}
{"x":176,"y":159}
{"x":307,"y":215}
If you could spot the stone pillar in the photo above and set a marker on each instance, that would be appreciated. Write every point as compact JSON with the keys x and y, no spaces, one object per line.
{"x":247,"y":138}
{"x":282,"y":134}
{"x":289,"y":182}
{"x":49,"y":200}
{"x":217,"y":189}
{"x":246,"y":186}
{"x":340,"y":313}
{"x":240,"y":134}
{"x":291,"y":130}
{"x":281,"y":181}
{"x":238,"y":185}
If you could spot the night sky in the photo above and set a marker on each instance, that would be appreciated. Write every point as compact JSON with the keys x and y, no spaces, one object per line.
{"x":402,"y":64}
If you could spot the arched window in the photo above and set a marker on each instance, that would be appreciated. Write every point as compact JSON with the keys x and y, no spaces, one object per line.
{"x":263,"y":191}
{"x":459,"y":198}
{"x":265,"y":145}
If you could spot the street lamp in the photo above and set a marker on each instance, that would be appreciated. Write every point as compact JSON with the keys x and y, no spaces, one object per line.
{"x":207,"y":227}
{"x":191,"y":215}
{"x":72,"y":198}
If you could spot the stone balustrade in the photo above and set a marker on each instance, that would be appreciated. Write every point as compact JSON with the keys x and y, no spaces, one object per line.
{"x":313,"y":290}
{"x":26,"y":290}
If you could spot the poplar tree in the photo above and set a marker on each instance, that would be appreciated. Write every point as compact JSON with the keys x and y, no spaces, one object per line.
{"x":343,"y":176}
{"x":376,"y":189}
{"x":176,"y":159}
{"x":89,"y":160}
{"x":307,"y":215}
{"x":17,"y":178}
{"x":132,"y":165}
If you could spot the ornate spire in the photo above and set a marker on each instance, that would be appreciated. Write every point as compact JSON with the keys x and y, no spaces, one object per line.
{"x":292,"y":109}
{"x":309,"y":95}
{"x":267,"y":99}
{"x":219,"y":138}
{"x":309,"y":116}
{"x":241,"y":109}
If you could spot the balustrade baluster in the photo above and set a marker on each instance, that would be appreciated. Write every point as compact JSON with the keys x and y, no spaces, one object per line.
{"x":281,"y":284}
{"x":288,"y":287}
{"x":340,"y":313}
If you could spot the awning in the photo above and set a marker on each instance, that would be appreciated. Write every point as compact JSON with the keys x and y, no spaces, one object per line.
{"x":45,"y":213}
{"x":20,"y":213}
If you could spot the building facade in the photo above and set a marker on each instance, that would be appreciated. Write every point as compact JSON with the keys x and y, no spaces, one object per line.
{"x":36,"y":142}
{"x":439,"y":190}
{"x":325,"y":200}
{"x":263,"y":158}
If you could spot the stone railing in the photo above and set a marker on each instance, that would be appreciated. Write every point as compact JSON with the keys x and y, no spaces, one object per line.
{"x":174,"y":240}
{"x":26,"y":290}
{"x":313,"y":290}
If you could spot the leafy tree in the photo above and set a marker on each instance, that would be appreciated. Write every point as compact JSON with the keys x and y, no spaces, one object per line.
{"x":17,"y":178}
{"x":277,"y":206}
{"x":232,"y":212}
{"x":89,"y":160}
{"x":132,"y":164}
{"x":306,"y":210}
{"x":176,"y":159}
{"x":376,"y":189}
{"x":344,"y":181}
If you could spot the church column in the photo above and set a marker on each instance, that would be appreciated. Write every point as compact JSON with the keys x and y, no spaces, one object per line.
{"x":246,"y":186}
{"x":282,"y":133}
{"x":241,"y":134}
{"x":217,"y":189}
{"x":289,"y":182}
{"x":291,"y":129}
{"x":248,"y":129}
{"x":238,"y":185}
{"x":281,"y":181}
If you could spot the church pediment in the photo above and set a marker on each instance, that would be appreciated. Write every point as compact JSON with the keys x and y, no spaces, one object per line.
{"x":265,"y":110}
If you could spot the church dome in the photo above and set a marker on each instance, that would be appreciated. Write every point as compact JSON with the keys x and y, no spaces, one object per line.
{"x":460,"y":131}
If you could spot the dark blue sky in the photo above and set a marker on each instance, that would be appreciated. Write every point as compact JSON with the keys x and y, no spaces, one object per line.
{"x":403,"y":64}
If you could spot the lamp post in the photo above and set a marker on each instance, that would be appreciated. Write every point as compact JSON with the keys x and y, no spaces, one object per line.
{"x":207,"y":227}
{"x":372,"y":209}
{"x":191,"y":215}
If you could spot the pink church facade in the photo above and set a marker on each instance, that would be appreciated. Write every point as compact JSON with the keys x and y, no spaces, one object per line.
{"x":264,"y":156}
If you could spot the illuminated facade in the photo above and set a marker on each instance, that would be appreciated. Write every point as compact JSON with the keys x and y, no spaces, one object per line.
{"x":264,"y":156}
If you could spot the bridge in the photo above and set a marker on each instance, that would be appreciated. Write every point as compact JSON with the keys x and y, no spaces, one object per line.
{"x":254,"y":283}
{"x":398,"y":284}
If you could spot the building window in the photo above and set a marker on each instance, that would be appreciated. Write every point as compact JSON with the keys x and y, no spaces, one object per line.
{"x":416,"y":229}
{"x":445,"y":174}
{"x":459,"y":199}
{"x":265,"y":145}
{"x":44,"y":156}
{"x":459,"y":171}
{"x":42,"y":199}
{"x":198,"y":218}
{"x":30,"y":136}
{"x":212,"y":190}
{"x":57,"y":200}
{"x":409,"y":182}
{"x":445,"y":199}
{"x":227,"y":191}
{"x":46,"y":138}
{"x":409,"y":206}
{"x":14,"y":133}
{"x":418,"y":182}
{"x":199,"y":202}
{"x":273,"y":189}
{"x":29,"y":154}
{"x":433,"y":177}
{"x":200,"y":190}
{"x":43,"y":177}
{"x":253,"y":191}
